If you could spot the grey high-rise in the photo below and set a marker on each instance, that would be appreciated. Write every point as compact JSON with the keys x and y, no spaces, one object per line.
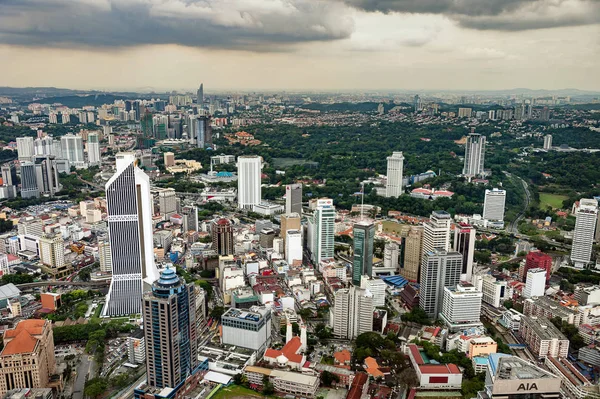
{"x":293,"y":199}
{"x":46,"y":174}
{"x":29,"y":182}
{"x":362,"y":263}
{"x":474,"y":155}
{"x":440,"y":269}
{"x":200,"y":95}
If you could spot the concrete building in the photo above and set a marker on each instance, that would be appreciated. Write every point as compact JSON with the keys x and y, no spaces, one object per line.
{"x":436,"y":232}
{"x":249,"y":181}
{"x":474,"y":155}
{"x":465,"y":112}
{"x":247,"y":328}
{"x":136,"y":347}
{"x":536,"y":283}
{"x":391,"y":253}
{"x":105,"y":256}
{"x":440,"y":269}
{"x":543,"y":338}
{"x":222,"y":236}
{"x":481,"y":346}
{"x":25,"y":148}
{"x":93,"y":149}
{"x":362,"y":262}
{"x":547,"y":307}
{"x":27,"y":359}
{"x":352,"y":313}
{"x":290,"y":221}
{"x":170,"y":331}
{"x":284,"y":382}
{"x":52,"y":251}
{"x":321,"y":231}
{"x":293,"y":246}
{"x":167,"y":202}
{"x":574,"y":385}
{"x":464,"y":243}
{"x":413,"y":254}
{"x":376,"y":287}
{"x":169,"y":159}
{"x":434,"y":376}
{"x":494,"y":290}
{"x":46,"y":174}
{"x":395,"y":168}
{"x":461,"y":307}
{"x":72,"y":149}
{"x":547,"y":142}
{"x":494,"y":204}
{"x":538,"y":260}
{"x":190,"y":218}
{"x":29,"y":182}
{"x":588,"y":295}
{"x":583,"y":236}
{"x":293,"y":199}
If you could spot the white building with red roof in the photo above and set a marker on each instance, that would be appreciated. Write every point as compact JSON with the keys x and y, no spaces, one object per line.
{"x":434,"y":376}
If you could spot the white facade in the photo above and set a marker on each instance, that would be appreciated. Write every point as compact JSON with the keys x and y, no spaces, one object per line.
{"x":391,"y":252}
{"x":293,"y":246}
{"x":583,"y":236}
{"x":72,"y":149}
{"x":395,"y":168}
{"x":321,"y":231}
{"x":375,"y":286}
{"x":547,"y":142}
{"x":249,"y":329}
{"x":52,"y":251}
{"x":352,"y":313}
{"x":474,"y":155}
{"x":436,"y":233}
{"x":536,"y":283}
{"x":439,"y":269}
{"x":129,"y":209}
{"x":494,"y":291}
{"x":461,"y":306}
{"x":249,"y":185}
{"x":494,"y":203}
{"x":25,"y":149}
{"x":105,"y":256}
{"x":4,"y":269}
{"x":93,"y":148}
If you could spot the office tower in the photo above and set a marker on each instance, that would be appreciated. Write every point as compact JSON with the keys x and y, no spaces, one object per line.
{"x":536,"y":283}
{"x":169,"y":159}
{"x":52,"y":251}
{"x":290,"y":221}
{"x":7,"y":174}
{"x":436,"y":232}
{"x":93,"y":148}
{"x":492,"y":114}
{"x":376,"y":287}
{"x":416,"y":103}
{"x":494,"y":290}
{"x":465,"y":112}
{"x":72,"y":149}
{"x":46,"y":174}
{"x":43,"y":146}
{"x":25,"y":149}
{"x":493,"y":205}
{"x":352,"y":312}
{"x":293,"y":198}
{"x":293,"y":246}
{"x":167,"y":202}
{"x":413,"y":254}
{"x":321,"y":231}
{"x":222,"y":236}
{"x":362,"y":263}
{"x":439,"y":269}
{"x":249,"y":185}
{"x":170,"y":333}
{"x":31,"y":227}
{"x":464,"y":243}
{"x":395,"y":167}
{"x":136,"y":347}
{"x":545,"y":114}
{"x":105,"y":256}
{"x":190,"y":218}
{"x":200,"y":95}
{"x":247,"y":328}
{"x":29,"y":184}
{"x":547,"y":142}
{"x":474,"y":155}
{"x":583,"y":236}
{"x":391,"y":252}
{"x":27,"y":359}
{"x":461,"y":307}
{"x":129,"y":209}
{"x":538,"y":260}
{"x":201,"y":132}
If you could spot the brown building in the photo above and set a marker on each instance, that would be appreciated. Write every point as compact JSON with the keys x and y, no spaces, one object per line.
{"x":50,"y":300}
{"x":290,"y":222}
{"x":413,"y":248}
{"x":27,"y":360}
{"x":222,"y":236}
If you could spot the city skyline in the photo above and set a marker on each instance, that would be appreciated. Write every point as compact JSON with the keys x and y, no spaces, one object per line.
{"x":357,"y":44}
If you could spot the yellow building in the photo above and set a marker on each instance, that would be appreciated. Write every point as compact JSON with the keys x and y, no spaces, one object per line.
{"x":482,"y":347}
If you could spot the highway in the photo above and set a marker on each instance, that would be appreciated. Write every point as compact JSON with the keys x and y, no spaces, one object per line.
{"x":64,"y":283}
{"x":513,"y":228}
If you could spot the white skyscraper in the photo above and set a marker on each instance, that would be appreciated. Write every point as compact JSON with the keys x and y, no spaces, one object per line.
{"x":129,"y":208}
{"x":43,"y":146}
{"x":474,"y":155}
{"x":436,"y":232}
{"x":583,"y":236}
{"x":293,"y":246}
{"x":535,"y":284}
{"x":93,"y":148}
{"x":72,"y":149}
{"x":395,"y":167}
{"x":249,"y":189}
{"x":493,"y":205}
{"x":461,"y":307}
{"x":439,"y":269}
{"x":547,"y":142}
{"x":293,"y":199}
{"x":352,"y":313}
{"x":25,"y":149}
{"x":321,"y":231}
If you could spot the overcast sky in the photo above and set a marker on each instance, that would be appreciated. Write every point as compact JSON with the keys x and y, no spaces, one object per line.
{"x":300,"y":44}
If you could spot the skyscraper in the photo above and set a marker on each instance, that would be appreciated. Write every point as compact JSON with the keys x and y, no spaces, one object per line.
{"x":583,"y":236}
{"x":170,"y":334}
{"x":461,"y":307}
{"x":293,"y":198}
{"x":25,"y":149}
{"x":46,"y":174}
{"x":201,"y":131}
{"x":167,"y":202}
{"x":290,"y":221}
{"x":362,"y":264}
{"x":93,"y":148}
{"x":395,"y":166}
{"x":222,"y":236}
{"x":29,"y":184}
{"x":200,"y":95}
{"x":413,"y":253}
{"x":538,"y":260}
{"x":249,"y":185}
{"x":416,"y":103}
{"x":493,"y":205}
{"x":474,"y":155}
{"x":352,"y":312}
{"x":52,"y":251}
{"x":72,"y":149}
{"x":7,"y":174}
{"x":440,"y":269}
{"x":129,"y":208}
{"x":321,"y":231}
{"x":436,"y":232}
{"x":43,"y":146}
{"x":547,"y":142}
{"x":293,"y":246}
{"x":464,"y":243}
{"x":536,"y":283}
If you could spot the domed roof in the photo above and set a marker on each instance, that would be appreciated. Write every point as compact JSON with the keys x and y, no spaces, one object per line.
{"x":168,"y":277}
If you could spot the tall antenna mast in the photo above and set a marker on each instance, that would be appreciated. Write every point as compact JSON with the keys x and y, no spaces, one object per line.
{"x":362,"y":201}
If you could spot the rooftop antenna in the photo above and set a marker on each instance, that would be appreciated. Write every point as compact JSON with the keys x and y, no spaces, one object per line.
{"x":362,"y":201}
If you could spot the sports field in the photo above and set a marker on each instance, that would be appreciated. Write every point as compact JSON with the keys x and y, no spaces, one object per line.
{"x":552,"y":200}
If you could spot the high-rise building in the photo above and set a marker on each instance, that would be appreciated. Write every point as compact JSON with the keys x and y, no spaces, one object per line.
{"x":376,"y":287}
{"x":222,"y":236}
{"x":494,"y":290}
{"x":43,"y":146}
{"x":46,"y":174}
{"x":362,"y":264}
{"x":493,"y":205}
{"x":190,"y":218}
{"x":293,"y":199}
{"x":391,"y":253}
{"x":436,"y":234}
{"x":538,"y":260}
{"x":167,"y":202}
{"x":27,"y":359}
{"x":7,"y":174}
{"x":465,"y":112}
{"x":547,"y":142}
{"x":413,"y":253}
{"x":293,"y":246}
{"x":25,"y":149}
{"x":105,"y":256}
{"x":249,"y":185}
{"x":352,"y":312}
{"x":200,"y":95}
{"x":395,"y":168}
{"x":583,"y":236}
{"x":201,"y":131}
{"x":461,"y":307}
{"x":93,"y":148}
{"x":439,"y":269}
{"x":247,"y":328}
{"x":474,"y":155}
{"x":29,"y":183}
{"x":290,"y":221}
{"x":545,"y":114}
{"x":416,"y":103}
{"x":464,"y":243}
{"x":169,"y":159}
{"x":535,"y":284}
{"x":72,"y":149}
{"x":129,"y":208}
{"x":170,"y":332}
{"x":321,"y":231}
{"x":52,"y":251}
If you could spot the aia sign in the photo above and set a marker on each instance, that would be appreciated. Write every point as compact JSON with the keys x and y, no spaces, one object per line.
{"x":528,"y":387}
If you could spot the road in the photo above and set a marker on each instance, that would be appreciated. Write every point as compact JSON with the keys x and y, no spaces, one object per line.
{"x":84,"y":370}
{"x":63,"y":283}
{"x":513,"y":228}
{"x":127,"y":393}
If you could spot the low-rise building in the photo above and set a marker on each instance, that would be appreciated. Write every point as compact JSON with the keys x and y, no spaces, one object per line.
{"x":590,"y":355}
{"x":574,"y":385}
{"x":543,"y":338}
{"x":284,"y":382}
{"x":434,"y":376}
{"x":482,"y":346}
{"x":547,"y":307}
{"x":249,"y":329}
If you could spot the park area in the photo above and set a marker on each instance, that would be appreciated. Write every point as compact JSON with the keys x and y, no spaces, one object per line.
{"x":554,"y":201}
{"x":236,"y":392}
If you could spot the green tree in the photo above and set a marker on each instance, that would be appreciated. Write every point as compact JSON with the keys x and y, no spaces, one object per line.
{"x":95,"y":387}
{"x":328,"y":378}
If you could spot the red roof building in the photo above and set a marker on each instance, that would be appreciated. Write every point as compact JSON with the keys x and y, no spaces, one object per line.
{"x":537,"y":259}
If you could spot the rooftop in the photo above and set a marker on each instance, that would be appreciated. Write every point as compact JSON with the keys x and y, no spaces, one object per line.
{"x":507,"y":367}
{"x":543,"y":328}
{"x":22,"y":339}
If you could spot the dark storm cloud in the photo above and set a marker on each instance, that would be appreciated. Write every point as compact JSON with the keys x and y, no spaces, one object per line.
{"x":268,"y":25}
{"x":502,"y":15}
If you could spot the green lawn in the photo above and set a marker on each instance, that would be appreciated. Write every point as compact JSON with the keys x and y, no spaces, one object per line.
{"x":236,"y":391}
{"x":552,"y":200}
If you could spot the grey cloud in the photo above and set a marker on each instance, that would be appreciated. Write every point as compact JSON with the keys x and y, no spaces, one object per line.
{"x":258,"y":25}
